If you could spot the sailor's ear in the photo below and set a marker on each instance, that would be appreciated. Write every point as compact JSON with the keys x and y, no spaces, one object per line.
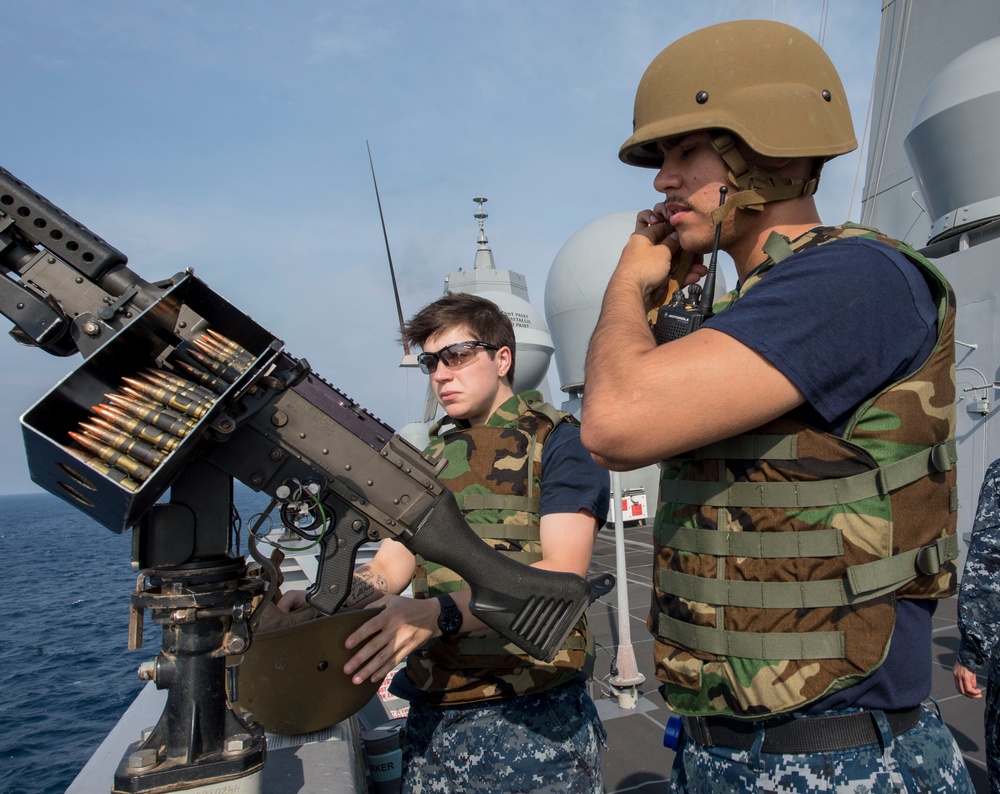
{"x":504,"y":358}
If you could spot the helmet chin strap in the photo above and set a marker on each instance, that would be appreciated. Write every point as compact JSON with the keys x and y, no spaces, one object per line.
{"x":755,"y":186}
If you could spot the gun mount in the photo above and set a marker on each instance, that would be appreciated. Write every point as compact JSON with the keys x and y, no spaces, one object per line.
{"x":179,"y":390}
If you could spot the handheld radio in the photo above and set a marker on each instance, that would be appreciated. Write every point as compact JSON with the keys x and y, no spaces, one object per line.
{"x":685,"y":313}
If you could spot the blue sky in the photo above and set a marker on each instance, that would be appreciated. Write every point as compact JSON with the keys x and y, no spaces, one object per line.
{"x":230,"y":137}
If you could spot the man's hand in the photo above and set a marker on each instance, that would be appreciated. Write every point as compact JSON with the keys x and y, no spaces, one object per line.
{"x":650,"y":255}
{"x":290,"y":610}
{"x":966,"y":681}
{"x":293,"y":601}
{"x":403,"y":626}
{"x":646,"y":259}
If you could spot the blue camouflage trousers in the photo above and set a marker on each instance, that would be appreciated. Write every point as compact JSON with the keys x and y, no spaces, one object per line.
{"x":924,"y":760}
{"x":547,"y":742}
{"x":991,"y":715}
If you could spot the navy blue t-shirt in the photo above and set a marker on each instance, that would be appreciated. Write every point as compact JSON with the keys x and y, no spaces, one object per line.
{"x":842,"y":321}
{"x":571,"y":480}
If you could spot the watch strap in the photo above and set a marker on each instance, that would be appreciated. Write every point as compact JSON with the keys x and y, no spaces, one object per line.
{"x":450,"y":619}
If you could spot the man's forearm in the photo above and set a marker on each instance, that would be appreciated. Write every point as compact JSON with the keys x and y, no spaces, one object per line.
{"x":621,"y":334}
{"x":366,"y":586}
{"x":619,"y":341}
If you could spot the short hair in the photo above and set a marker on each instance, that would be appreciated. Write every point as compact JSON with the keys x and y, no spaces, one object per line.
{"x":484,"y":319}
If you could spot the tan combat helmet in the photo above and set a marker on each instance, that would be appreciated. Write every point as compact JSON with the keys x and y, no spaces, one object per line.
{"x":767,"y":83}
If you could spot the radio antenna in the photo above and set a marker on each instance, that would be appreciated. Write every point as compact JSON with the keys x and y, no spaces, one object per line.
{"x":708,"y":292}
{"x":388,"y":253}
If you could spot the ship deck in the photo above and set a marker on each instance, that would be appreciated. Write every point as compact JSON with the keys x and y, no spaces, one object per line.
{"x":636,"y":760}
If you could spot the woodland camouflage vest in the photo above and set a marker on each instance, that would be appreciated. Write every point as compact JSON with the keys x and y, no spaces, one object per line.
{"x":780,"y":553}
{"x":495,"y":472}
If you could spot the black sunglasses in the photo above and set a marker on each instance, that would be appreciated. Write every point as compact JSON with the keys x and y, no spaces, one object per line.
{"x":452,"y":356}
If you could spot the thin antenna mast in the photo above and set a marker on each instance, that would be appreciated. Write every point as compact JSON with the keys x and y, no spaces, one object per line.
{"x":388,"y":253}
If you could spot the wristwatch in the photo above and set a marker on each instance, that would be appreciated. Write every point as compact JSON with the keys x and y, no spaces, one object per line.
{"x":450,"y":619}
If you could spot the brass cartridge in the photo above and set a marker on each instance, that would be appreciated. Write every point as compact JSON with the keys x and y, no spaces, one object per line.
{"x":160,"y":439}
{"x":212,"y":382}
{"x":181,"y":385}
{"x":110,"y":472}
{"x":227,"y":350}
{"x":186,"y":405}
{"x":123,"y":442}
{"x":111,"y":456}
{"x":157,"y":415}
{"x":224,"y":371}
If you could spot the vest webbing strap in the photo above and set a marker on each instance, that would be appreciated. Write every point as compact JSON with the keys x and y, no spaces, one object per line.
{"x":901,"y":568}
{"x":489,"y":501}
{"x":750,"y":645}
{"x":777,"y":247}
{"x":748,"y":447}
{"x":862,"y":582}
{"x":525,"y":557}
{"x":495,"y":646}
{"x":757,"y":545}
{"x":547,"y":410}
{"x":817,"y":493}
{"x":450,"y":587}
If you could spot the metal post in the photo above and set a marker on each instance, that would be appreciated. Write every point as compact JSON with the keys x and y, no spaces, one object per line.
{"x":625,"y":676}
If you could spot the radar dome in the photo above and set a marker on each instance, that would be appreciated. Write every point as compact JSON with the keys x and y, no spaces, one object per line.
{"x":960,"y":183}
{"x":575,"y":288}
{"x":417,"y":433}
{"x":534,"y":342}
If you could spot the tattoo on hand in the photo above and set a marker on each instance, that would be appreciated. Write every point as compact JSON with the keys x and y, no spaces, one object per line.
{"x":364,"y":585}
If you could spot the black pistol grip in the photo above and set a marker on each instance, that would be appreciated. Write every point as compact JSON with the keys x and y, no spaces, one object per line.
{"x":348,"y":530}
{"x":533,"y":608}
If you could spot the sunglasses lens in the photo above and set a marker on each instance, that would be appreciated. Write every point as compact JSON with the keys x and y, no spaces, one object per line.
{"x":427,"y":362}
{"x":457,"y":354}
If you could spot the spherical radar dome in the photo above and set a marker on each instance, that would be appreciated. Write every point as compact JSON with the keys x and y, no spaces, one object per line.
{"x":575,"y":288}
{"x":534,"y":342}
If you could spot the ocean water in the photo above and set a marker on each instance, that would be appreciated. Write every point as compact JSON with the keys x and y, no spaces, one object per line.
{"x":66,"y":675}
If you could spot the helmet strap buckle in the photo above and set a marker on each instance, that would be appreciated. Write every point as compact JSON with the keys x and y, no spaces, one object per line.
{"x":755,"y":185}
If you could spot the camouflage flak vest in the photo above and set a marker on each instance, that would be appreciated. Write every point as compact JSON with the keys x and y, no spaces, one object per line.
{"x":780,"y":553}
{"x":495,"y":472}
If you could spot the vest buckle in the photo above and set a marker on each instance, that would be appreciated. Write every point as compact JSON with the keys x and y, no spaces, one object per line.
{"x":943,"y":455}
{"x":928,"y":560}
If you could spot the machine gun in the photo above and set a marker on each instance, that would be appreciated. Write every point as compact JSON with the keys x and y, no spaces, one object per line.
{"x":200,"y":396}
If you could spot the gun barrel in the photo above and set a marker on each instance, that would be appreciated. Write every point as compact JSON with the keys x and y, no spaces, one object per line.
{"x":43,"y":223}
